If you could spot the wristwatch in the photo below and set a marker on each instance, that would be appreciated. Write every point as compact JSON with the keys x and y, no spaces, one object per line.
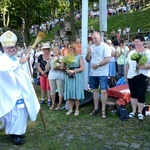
{"x":98,"y":65}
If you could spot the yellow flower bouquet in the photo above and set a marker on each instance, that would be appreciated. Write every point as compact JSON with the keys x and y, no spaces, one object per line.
{"x":68,"y":60}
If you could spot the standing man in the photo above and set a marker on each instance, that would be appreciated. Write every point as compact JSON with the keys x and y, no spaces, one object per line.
{"x":99,"y":55}
{"x":17,"y":95}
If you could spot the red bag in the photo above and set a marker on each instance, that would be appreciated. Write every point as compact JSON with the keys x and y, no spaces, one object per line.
{"x":121,"y":92}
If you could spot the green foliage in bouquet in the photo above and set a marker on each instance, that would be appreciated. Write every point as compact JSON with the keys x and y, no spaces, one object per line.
{"x":141,"y":59}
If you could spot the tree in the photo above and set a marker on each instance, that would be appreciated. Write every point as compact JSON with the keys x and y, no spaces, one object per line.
{"x":5,"y":12}
{"x":72,"y":20}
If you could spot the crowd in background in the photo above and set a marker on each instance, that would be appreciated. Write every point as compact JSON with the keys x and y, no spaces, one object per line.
{"x":43,"y":55}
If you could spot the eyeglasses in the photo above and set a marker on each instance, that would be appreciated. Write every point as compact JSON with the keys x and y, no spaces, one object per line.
{"x":137,"y":41}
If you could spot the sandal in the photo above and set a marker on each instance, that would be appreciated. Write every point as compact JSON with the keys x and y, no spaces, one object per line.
{"x":94,"y":112}
{"x":103,"y":114}
{"x":51,"y":108}
{"x":69,"y":112}
{"x":76,"y":113}
{"x":57,"y":108}
{"x":131,"y":115}
{"x":42,"y":101}
{"x":140,"y":116}
{"x":48,"y":103}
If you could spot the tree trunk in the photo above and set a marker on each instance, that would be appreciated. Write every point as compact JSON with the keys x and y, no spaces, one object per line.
{"x":26,"y":33}
{"x":72,"y":37}
{"x":124,"y":2}
{"x":5,"y":19}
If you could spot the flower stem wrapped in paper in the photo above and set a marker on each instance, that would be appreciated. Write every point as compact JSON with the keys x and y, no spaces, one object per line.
{"x":141,"y":59}
{"x":68,"y":60}
{"x":56,"y":62}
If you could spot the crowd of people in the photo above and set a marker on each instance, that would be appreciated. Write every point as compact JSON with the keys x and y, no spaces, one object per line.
{"x":59,"y":69}
{"x":120,"y":33}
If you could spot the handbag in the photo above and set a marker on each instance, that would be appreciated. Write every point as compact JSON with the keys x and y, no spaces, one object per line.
{"x":71,"y":75}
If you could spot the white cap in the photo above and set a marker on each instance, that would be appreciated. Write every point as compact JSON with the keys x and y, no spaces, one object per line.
{"x":8,"y":38}
{"x":45,"y":46}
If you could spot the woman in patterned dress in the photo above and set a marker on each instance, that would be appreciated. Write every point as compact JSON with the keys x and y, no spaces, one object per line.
{"x":56,"y":77}
{"x":74,"y":90}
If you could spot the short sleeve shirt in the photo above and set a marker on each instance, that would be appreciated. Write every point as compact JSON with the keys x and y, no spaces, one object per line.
{"x":132,"y":65}
{"x":99,"y":53}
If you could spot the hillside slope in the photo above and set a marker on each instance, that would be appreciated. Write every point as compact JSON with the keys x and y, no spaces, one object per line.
{"x":135,"y":20}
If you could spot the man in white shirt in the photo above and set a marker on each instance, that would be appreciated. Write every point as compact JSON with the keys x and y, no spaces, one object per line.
{"x":99,"y":55}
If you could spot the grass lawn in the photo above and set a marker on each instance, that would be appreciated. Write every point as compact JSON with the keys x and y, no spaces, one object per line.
{"x":83,"y":132}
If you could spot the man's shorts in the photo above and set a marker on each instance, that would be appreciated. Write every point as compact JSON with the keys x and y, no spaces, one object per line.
{"x":96,"y":81}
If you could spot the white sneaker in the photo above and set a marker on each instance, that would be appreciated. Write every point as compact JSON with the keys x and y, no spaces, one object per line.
{"x":69,"y":112}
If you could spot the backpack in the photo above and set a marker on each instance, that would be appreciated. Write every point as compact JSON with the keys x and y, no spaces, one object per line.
{"x":122,"y":112}
{"x":121,"y":81}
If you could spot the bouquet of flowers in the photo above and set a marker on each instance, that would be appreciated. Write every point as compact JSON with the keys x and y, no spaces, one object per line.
{"x":141,"y":59}
{"x":56,"y":63}
{"x":68,"y":60}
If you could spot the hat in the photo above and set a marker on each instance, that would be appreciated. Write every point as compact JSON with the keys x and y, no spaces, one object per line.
{"x":8,"y":38}
{"x":45,"y":46}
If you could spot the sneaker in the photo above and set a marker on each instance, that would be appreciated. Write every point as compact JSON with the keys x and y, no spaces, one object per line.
{"x":69,"y":112}
{"x":42,"y":102}
{"x":140,"y":116}
{"x":131,"y":115}
{"x":48,"y":103}
{"x":94,"y":112}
